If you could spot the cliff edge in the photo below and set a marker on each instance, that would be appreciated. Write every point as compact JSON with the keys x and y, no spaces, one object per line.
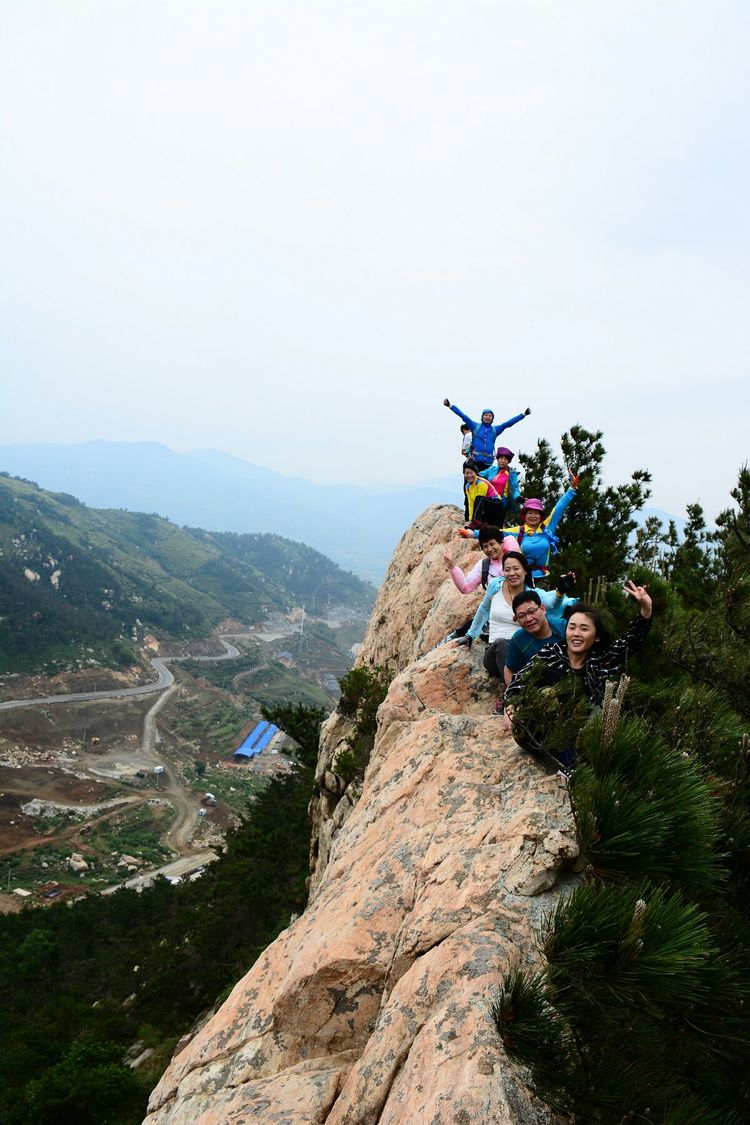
{"x":373,"y":1006}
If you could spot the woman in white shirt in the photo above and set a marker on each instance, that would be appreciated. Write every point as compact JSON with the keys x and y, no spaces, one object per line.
{"x":516,"y":577}
{"x":497,"y":605}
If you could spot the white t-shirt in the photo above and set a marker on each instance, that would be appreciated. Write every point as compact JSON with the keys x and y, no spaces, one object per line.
{"x":502,"y":625}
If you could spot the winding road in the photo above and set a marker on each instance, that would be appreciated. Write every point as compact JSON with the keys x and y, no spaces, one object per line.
{"x":186,"y":808}
{"x":159,"y":663}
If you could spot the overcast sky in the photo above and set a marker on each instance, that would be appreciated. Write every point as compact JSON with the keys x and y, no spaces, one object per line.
{"x":287,"y":230}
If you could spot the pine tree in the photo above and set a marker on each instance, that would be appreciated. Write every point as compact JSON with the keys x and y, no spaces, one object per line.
{"x":595,"y":531}
{"x":642,"y":1010}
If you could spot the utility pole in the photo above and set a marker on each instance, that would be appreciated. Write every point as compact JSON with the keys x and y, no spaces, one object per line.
{"x":301,"y":636}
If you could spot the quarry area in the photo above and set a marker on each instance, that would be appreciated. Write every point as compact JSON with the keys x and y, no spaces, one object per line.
{"x":104,"y":790}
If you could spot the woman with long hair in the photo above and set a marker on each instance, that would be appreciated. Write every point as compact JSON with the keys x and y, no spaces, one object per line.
{"x":586,"y":658}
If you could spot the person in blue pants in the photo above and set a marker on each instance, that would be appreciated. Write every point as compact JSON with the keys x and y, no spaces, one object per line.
{"x":485,"y":433}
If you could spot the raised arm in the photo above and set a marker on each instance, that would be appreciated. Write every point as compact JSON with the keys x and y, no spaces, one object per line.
{"x":561,"y":507}
{"x":465,"y":583}
{"x":555,"y":603}
{"x":617,"y":653}
{"x":511,"y":421}
{"x":464,"y":417}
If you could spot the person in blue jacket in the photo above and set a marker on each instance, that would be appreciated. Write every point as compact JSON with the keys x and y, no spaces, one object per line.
{"x":485,"y":433}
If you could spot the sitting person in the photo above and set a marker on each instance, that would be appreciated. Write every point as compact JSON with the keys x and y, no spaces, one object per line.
{"x":515,"y":579}
{"x":536,"y":631}
{"x":484,"y":433}
{"x":586,"y":657}
{"x":493,"y":544}
{"x":475,"y":490}
{"x":496,"y":608}
{"x":536,"y":533}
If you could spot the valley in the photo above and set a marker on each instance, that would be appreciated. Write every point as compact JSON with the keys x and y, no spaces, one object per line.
{"x":105,"y":774}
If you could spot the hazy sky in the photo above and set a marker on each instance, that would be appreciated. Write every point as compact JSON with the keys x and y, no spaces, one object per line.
{"x":287,"y":230}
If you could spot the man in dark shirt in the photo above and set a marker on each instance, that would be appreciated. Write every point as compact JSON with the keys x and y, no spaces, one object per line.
{"x":535,"y":632}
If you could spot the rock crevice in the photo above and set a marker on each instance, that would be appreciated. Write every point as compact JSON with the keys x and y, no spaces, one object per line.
{"x":373,"y":1006}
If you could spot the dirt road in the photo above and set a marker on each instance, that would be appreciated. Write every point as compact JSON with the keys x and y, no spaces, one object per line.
{"x":186,"y":803}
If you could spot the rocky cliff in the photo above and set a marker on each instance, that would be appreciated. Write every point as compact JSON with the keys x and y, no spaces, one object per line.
{"x":429,"y":883}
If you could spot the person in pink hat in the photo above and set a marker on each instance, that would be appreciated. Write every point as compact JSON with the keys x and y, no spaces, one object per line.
{"x":536,"y":533}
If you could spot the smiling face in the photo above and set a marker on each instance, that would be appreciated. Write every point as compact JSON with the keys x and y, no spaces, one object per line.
{"x":492,"y":549}
{"x":470,"y":476}
{"x":532,"y":517}
{"x":532,"y":618}
{"x":515,"y":575}
{"x":580,"y":637}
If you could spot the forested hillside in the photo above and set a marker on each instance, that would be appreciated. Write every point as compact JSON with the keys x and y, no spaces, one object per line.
{"x":78,"y":582}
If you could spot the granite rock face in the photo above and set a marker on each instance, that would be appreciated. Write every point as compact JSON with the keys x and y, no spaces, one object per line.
{"x":373,"y":1006}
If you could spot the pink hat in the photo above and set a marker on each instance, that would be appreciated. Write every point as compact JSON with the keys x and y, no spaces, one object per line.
{"x":532,"y":505}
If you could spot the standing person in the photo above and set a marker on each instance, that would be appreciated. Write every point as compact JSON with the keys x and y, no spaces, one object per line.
{"x":485,"y":433}
{"x":536,"y":631}
{"x":586,"y":657}
{"x":465,"y":441}
{"x":475,"y":489}
{"x":504,"y":480}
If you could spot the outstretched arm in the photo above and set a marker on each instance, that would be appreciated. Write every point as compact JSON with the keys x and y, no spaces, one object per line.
{"x":511,"y":421}
{"x":482,"y":614}
{"x":640,"y":595}
{"x":465,"y":583}
{"x":562,"y":504}
{"x":464,"y":417}
{"x":617,"y":653}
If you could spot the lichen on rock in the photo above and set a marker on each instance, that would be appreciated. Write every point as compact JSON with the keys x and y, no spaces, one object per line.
{"x":373,"y":1006}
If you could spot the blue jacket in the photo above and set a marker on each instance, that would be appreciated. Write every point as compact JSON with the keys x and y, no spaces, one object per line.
{"x":553,"y":602}
{"x":538,"y":545}
{"x":483,"y":436}
{"x":512,"y":488}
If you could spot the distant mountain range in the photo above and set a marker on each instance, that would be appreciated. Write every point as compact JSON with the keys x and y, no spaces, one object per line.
{"x":76,"y":582}
{"x":356,"y":527}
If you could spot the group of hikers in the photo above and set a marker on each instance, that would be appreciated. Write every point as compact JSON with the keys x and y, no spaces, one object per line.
{"x":535,"y":637}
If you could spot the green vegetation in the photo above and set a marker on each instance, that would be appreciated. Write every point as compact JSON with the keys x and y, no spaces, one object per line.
{"x":363,"y":689}
{"x":277,"y":682}
{"x":596,"y":529}
{"x":82,"y":984}
{"x":222,"y":673}
{"x":641,"y":1012}
{"x":134,"y":832}
{"x":213,"y":723}
{"x":74,"y":578}
{"x":236,"y":787}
